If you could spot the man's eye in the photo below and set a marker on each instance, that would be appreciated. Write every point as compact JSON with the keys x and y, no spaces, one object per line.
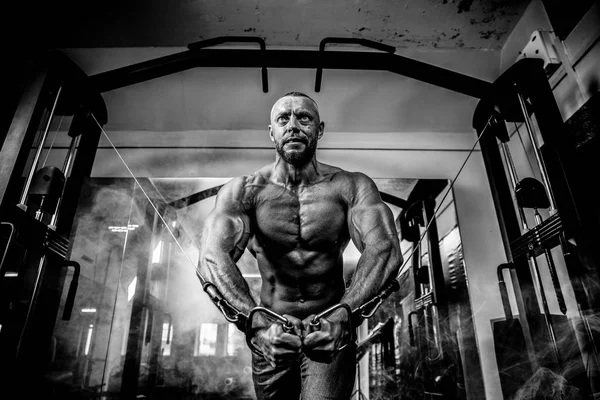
{"x":283,"y":120}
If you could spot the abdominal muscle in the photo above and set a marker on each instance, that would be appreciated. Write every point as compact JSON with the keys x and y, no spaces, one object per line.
{"x":302,"y":282}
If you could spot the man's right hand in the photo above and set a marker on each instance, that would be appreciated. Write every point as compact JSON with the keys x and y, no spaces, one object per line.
{"x":322,"y":344}
{"x":278,"y":346}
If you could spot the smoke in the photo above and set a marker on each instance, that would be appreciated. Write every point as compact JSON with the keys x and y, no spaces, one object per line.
{"x":205,"y":355}
{"x":208,"y":356}
{"x":106,"y":215}
{"x":121,"y":244}
{"x":409,"y":377}
{"x":574,"y":370}
{"x":435,"y":354}
{"x":547,"y":385}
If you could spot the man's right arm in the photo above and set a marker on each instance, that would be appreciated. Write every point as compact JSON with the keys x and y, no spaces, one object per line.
{"x":223,"y":241}
{"x":224,"y":238}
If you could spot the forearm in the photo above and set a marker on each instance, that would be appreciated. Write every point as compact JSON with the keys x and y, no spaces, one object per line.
{"x":377,"y":265}
{"x":225,"y":275}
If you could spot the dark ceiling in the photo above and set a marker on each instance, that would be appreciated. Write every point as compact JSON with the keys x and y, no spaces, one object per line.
{"x":447,"y":24}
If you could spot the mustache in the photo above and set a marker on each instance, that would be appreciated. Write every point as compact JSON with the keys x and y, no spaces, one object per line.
{"x":296,"y":139}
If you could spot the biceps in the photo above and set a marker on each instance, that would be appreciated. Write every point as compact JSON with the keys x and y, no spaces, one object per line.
{"x":225,"y":234}
{"x":373,"y":226}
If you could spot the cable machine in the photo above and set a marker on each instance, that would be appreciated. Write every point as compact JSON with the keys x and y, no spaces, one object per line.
{"x":545,"y":230}
{"x":37,"y":204}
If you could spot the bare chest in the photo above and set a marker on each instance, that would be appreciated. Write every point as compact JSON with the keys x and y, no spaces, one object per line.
{"x":311,"y":218}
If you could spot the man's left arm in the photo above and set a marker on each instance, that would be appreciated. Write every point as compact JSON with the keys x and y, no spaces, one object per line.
{"x":373,"y":232}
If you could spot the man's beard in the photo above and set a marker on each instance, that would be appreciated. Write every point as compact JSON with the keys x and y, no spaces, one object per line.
{"x":295,"y":158}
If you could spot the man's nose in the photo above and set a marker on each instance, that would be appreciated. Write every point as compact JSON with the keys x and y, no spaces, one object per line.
{"x":292,"y":124}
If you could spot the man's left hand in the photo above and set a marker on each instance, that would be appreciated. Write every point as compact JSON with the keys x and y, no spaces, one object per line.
{"x":321,"y":345}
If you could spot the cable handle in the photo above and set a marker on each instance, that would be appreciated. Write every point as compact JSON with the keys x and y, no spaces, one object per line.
{"x":368,"y":309}
{"x":316,"y":321}
{"x":68,"y":309}
{"x":503,"y":291}
{"x":390,"y":288}
{"x":315,"y":324}
{"x":230,"y":313}
{"x":287,"y":326}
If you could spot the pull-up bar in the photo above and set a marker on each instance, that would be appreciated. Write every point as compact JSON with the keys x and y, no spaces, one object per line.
{"x":198,"y":55}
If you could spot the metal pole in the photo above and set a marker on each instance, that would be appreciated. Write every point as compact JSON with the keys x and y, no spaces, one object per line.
{"x":66,"y":167}
{"x":38,"y":152}
{"x":513,"y":179}
{"x":536,"y":151}
{"x":532,"y":260}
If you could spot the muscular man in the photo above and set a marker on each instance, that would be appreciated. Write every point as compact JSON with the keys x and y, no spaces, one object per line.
{"x":296,"y":216}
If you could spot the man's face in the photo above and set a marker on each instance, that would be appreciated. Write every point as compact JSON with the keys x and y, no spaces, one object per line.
{"x":295,"y":129}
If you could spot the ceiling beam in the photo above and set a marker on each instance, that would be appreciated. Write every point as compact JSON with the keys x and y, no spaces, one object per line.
{"x":313,"y":59}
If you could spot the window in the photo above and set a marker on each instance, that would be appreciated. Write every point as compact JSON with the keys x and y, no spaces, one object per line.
{"x":207,"y":339}
{"x":236,"y":340}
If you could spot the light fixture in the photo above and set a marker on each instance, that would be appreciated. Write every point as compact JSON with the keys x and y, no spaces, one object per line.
{"x":88,"y":340}
{"x":127,"y":228}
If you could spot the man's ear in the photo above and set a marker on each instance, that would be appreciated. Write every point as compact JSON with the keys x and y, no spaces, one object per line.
{"x":271,"y":134}
{"x":321,"y":130}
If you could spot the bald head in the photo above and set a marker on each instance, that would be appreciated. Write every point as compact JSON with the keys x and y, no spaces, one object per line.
{"x":295,"y":94}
